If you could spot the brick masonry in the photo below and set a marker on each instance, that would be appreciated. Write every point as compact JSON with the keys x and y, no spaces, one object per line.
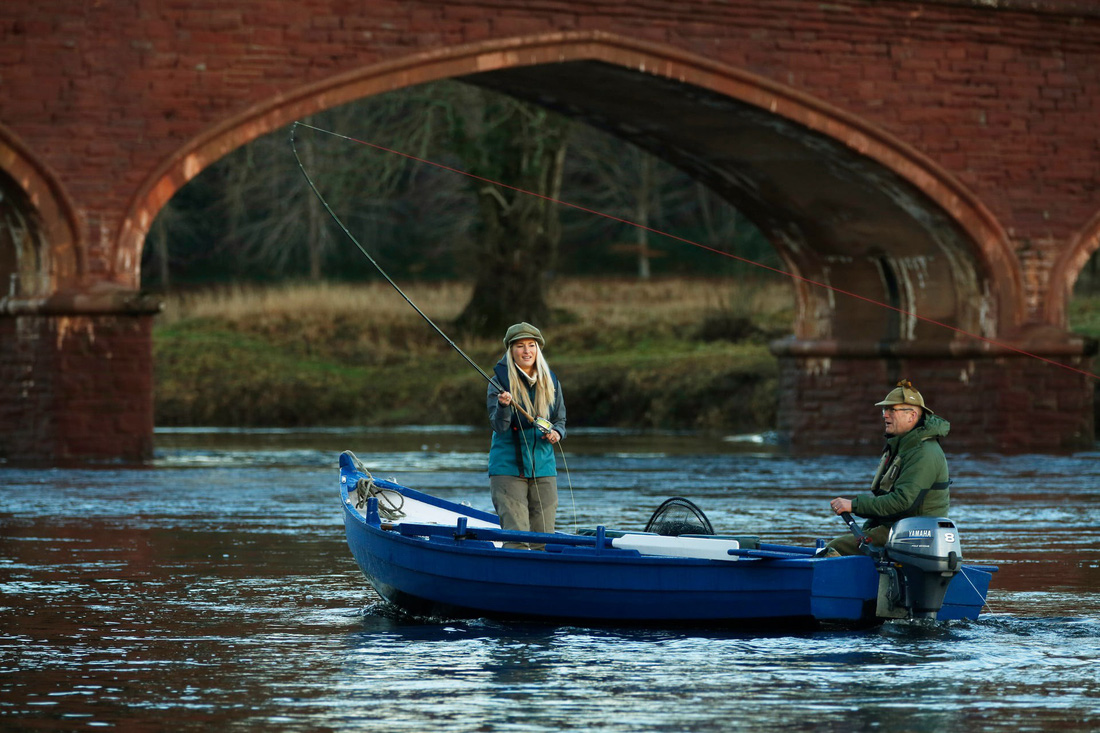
{"x":106,"y":109}
{"x":76,"y":388}
{"x":1008,"y":404}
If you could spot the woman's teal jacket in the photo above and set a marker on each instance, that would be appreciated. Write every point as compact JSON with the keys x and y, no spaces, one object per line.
{"x":518,"y":447}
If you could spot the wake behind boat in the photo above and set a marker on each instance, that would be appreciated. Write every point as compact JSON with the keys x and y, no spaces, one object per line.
{"x":429,"y":556}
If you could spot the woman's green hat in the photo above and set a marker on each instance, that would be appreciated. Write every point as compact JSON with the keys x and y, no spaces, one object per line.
{"x":523,"y":331}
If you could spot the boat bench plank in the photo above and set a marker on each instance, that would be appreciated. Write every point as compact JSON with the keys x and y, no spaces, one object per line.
{"x":582,"y":550}
{"x":412,"y":529}
{"x":767,"y":554}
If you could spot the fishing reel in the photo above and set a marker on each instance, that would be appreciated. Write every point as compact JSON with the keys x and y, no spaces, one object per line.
{"x":544,"y":425}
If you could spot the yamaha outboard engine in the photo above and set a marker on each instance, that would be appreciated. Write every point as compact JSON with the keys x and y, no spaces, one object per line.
{"x":929,"y":553}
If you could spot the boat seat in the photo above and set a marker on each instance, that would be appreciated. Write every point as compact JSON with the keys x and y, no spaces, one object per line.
{"x":747,"y":542}
{"x":610,"y":533}
{"x":606,"y":552}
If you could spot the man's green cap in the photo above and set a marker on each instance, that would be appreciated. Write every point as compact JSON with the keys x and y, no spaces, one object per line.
{"x":904,"y":394}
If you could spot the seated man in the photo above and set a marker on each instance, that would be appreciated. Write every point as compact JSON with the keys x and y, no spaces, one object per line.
{"x":911,"y":480}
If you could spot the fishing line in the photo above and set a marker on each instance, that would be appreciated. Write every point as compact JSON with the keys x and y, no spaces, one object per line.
{"x":294,"y":149}
{"x":541,"y":424}
{"x":668,"y":235}
{"x":985,"y":601}
{"x":568,"y":478}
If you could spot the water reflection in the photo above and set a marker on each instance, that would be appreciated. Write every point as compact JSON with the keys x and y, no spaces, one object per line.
{"x":215,"y":588}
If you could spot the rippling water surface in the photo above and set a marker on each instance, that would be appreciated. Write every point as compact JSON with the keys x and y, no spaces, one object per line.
{"x":214,"y":588}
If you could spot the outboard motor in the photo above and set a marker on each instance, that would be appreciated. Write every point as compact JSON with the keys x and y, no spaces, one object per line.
{"x":930,"y":554}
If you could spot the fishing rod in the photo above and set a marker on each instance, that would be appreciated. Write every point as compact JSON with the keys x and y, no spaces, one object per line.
{"x":544,"y":425}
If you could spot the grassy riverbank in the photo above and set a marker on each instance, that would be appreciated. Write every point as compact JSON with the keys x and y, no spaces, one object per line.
{"x":669,"y":353}
{"x":678,"y":353}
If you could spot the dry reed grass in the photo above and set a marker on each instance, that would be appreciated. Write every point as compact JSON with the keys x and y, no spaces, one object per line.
{"x":237,"y":303}
{"x":630,"y":307}
{"x":604,"y":303}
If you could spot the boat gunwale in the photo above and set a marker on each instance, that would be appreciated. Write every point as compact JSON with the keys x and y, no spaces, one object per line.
{"x":574,"y":553}
{"x":456,"y":544}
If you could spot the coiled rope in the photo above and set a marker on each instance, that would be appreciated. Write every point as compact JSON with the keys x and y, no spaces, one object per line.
{"x":390,"y":502}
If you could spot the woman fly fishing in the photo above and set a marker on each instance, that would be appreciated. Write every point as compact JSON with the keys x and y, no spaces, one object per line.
{"x":527,"y":414}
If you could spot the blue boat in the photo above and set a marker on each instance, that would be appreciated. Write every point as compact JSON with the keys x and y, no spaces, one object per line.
{"x":432,"y":557}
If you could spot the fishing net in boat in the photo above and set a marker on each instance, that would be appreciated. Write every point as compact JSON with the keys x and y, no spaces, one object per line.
{"x":677,"y":516}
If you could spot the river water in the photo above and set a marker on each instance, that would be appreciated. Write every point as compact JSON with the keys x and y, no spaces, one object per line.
{"x":213,"y":588}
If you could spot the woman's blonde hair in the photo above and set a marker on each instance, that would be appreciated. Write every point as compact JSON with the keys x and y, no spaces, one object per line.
{"x":544,"y":385}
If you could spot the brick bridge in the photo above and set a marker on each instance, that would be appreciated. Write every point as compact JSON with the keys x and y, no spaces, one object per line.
{"x":941,"y":157}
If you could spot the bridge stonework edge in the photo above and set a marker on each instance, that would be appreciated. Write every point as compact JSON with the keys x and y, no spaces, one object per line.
{"x":75,"y":388}
{"x":113,"y":100}
{"x":998,"y":404}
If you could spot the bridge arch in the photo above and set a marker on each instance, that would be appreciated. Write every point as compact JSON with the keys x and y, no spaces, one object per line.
{"x":845,"y":203}
{"x":40,"y":250}
{"x":1067,"y":269}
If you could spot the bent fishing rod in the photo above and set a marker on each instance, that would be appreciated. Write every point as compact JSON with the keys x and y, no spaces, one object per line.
{"x":541,"y":423}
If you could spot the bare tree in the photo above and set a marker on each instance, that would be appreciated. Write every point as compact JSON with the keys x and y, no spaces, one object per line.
{"x":173,"y":221}
{"x":273,"y":221}
{"x":626,"y":183}
{"x":631,"y":184}
{"x":413,"y":216}
{"x":518,"y":233}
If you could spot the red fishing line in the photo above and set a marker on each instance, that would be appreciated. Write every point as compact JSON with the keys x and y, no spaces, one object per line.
{"x":692,"y":243}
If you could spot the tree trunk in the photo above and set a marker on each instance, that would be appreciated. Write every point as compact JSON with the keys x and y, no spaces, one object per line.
{"x":517,"y":246}
{"x":644,"y":197}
